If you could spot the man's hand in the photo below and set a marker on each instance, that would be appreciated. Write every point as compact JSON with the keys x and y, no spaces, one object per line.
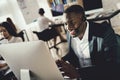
{"x":68,"y":69}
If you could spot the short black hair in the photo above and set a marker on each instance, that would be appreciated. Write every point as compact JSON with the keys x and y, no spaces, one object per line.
{"x":41,"y":11}
{"x":75,"y":8}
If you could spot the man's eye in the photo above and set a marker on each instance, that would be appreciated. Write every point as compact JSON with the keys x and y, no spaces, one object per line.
{"x":65,"y":23}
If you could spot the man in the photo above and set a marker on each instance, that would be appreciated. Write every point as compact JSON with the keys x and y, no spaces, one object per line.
{"x":44,"y":23}
{"x":92,"y":48}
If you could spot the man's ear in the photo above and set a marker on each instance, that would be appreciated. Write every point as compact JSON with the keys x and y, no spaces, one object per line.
{"x":84,"y":18}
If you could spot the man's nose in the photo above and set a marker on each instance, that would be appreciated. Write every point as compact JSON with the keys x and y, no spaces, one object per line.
{"x":70,"y":28}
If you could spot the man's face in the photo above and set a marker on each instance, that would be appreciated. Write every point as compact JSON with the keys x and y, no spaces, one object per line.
{"x":74,"y":23}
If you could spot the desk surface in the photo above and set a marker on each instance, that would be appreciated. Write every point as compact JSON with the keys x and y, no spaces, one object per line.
{"x":105,"y":16}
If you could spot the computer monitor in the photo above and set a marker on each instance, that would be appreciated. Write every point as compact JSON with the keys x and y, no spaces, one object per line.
{"x":34,"y":56}
{"x":57,"y":10}
{"x":92,"y":6}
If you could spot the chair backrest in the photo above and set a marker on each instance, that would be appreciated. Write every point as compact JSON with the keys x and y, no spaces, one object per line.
{"x":21,"y":34}
{"x":47,"y":34}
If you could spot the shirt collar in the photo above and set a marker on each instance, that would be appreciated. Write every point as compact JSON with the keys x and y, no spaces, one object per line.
{"x":85,"y":37}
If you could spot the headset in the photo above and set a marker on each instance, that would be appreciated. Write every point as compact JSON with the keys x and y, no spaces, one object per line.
{"x":83,"y":17}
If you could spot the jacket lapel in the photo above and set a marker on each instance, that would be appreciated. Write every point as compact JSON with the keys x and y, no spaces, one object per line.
{"x":92,"y":44}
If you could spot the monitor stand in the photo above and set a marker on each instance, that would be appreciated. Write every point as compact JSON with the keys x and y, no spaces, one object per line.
{"x":25,"y":74}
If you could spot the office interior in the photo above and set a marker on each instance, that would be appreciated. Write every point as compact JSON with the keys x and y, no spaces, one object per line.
{"x":24,"y":14}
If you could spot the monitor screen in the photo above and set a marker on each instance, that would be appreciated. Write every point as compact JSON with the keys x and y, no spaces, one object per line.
{"x":92,"y":6}
{"x":57,"y":10}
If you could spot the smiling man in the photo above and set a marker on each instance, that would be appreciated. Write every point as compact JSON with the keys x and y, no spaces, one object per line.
{"x":92,"y":48}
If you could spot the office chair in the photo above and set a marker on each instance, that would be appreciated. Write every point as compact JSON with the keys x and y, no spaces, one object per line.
{"x":47,"y":35}
{"x":21,"y":34}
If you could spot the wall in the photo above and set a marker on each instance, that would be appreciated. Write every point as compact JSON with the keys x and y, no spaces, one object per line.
{"x":17,"y":14}
{"x":29,"y":9}
{"x":9,"y":8}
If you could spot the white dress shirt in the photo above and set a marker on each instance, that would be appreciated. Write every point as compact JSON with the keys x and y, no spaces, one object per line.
{"x":12,"y":40}
{"x":44,"y":22}
{"x":15,"y":40}
{"x":81,"y":48}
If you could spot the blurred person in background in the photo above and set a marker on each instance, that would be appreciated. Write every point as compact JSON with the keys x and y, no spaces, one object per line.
{"x":44,"y":23}
{"x":8,"y":35}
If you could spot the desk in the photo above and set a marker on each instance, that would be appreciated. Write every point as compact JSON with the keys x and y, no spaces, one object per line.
{"x":105,"y":16}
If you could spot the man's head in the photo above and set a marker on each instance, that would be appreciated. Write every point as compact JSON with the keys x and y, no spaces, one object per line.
{"x":75,"y":19}
{"x":41,"y":11}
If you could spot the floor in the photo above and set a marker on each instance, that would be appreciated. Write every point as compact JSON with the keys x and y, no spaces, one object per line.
{"x":117,"y":29}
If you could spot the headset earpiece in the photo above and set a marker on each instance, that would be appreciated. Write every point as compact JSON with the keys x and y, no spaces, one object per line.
{"x":84,"y":18}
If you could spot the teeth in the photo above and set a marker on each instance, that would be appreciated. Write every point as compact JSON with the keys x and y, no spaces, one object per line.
{"x":72,"y":32}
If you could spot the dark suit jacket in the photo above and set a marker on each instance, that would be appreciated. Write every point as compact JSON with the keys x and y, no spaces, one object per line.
{"x":103,"y":52}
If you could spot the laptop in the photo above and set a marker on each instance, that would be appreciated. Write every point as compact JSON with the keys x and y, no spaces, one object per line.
{"x":33,"y":55}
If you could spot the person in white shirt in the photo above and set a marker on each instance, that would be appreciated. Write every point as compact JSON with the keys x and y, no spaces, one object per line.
{"x":8,"y":35}
{"x":44,"y":23}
